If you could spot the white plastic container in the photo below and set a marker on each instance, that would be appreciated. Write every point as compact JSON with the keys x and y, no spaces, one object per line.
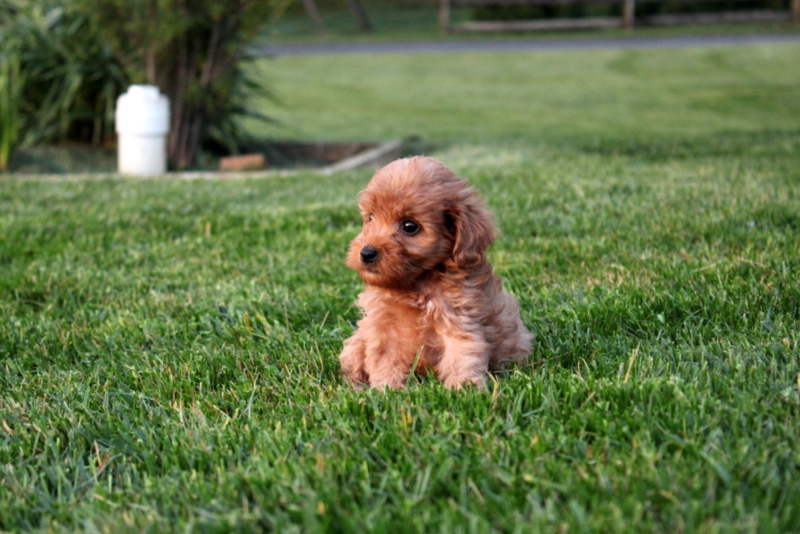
{"x":142,"y":124}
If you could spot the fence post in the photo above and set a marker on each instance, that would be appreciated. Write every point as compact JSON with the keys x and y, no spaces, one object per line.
{"x":629,"y":12}
{"x":444,"y":16}
{"x":796,"y":11}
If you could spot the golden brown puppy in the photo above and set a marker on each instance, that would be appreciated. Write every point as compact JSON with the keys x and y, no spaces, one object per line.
{"x":430,"y":295}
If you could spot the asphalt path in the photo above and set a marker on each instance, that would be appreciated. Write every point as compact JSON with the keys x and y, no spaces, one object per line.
{"x":515,"y":45}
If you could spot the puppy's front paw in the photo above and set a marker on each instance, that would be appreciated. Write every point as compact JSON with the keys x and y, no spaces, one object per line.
{"x":480,"y":382}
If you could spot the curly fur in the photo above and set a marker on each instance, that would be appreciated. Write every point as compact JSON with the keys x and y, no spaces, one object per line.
{"x":431,"y":296}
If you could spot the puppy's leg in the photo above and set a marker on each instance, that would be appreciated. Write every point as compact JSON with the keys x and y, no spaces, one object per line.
{"x":352,"y":360}
{"x":464,"y":360}
{"x":510,"y":339}
{"x":388,"y":367}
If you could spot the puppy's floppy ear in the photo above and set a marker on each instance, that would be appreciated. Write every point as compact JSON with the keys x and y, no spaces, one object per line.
{"x":473,"y":227}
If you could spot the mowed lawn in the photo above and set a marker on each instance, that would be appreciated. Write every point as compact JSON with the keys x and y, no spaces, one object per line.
{"x":583,"y":95}
{"x":168,"y":349}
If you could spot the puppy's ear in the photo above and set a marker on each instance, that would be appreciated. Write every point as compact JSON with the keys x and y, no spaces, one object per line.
{"x":474,"y":230}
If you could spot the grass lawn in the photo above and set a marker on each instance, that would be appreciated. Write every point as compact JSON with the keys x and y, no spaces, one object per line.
{"x":169,"y":348}
{"x":587,"y":96}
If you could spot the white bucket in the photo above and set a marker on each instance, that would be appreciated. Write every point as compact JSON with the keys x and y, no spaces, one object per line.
{"x":142,"y":124}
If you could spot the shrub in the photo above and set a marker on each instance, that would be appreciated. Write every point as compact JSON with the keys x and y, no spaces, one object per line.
{"x":63,"y":63}
{"x":57,"y":80}
{"x":68,"y":79}
{"x":193,"y":51}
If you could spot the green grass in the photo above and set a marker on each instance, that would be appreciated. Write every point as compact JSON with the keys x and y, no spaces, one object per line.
{"x":578,"y":96}
{"x":168,"y":349}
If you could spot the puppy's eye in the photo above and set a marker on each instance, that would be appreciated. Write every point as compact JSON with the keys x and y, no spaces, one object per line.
{"x":371,"y":216}
{"x":409,"y":227}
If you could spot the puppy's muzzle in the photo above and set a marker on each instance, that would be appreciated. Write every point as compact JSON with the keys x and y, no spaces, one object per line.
{"x":369,"y":254}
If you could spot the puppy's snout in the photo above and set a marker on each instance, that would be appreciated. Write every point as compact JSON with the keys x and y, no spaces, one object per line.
{"x":369,"y":254}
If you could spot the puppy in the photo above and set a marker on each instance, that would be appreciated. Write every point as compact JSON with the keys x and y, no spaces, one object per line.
{"x":431,"y":296}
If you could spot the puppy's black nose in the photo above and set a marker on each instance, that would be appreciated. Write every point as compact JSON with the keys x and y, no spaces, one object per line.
{"x":369,"y":254}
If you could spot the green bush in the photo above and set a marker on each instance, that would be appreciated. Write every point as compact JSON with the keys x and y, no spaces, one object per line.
{"x":64,"y":63}
{"x":58,"y":81}
{"x":193,"y":52}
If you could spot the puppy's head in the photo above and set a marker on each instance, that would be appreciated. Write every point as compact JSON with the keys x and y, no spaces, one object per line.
{"x":418,"y":217}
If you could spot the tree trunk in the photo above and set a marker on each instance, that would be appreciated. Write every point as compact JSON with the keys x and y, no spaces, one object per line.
{"x":361,"y":16}
{"x":316,"y":18}
{"x":204,"y":61}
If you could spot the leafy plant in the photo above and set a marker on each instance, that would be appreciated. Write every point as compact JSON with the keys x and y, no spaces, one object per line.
{"x":58,"y":81}
{"x":63,"y":64}
{"x":192,"y":51}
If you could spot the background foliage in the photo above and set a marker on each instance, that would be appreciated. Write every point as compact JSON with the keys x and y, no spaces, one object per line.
{"x":58,"y":80}
{"x":193,"y":51}
{"x":506,"y":11}
{"x":73,"y":58}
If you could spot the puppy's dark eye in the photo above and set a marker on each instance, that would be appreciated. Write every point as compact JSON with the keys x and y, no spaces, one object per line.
{"x":370,"y":217}
{"x":409,"y":227}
